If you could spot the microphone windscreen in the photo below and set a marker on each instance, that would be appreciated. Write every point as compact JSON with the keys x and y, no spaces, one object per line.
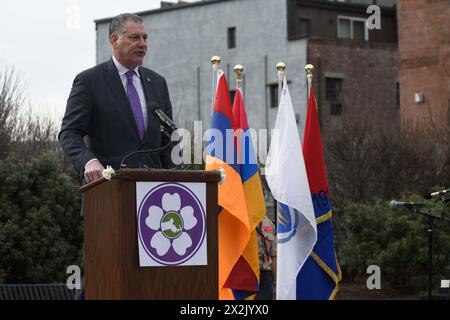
{"x":427,"y":196}
{"x":152,"y":105}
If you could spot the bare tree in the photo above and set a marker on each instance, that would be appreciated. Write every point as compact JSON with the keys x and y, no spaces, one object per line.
{"x":368,"y":159}
{"x":22,"y":134}
{"x":11,"y":99}
{"x":34,"y":136}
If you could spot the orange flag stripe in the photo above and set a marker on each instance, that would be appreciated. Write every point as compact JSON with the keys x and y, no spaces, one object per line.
{"x":234,"y":230}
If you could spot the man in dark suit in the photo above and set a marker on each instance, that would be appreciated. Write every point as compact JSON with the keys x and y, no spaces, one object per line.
{"x":107,"y":117}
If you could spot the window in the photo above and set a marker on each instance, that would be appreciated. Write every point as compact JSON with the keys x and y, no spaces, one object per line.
{"x":333,"y":89}
{"x":303,"y":26}
{"x":333,"y":94}
{"x":335,"y":108}
{"x":359,"y":30}
{"x":232,"y":38}
{"x":352,"y":28}
{"x":344,"y":28}
{"x":273,"y":88}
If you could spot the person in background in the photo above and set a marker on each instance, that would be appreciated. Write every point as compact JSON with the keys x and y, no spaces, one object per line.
{"x":267,"y":259}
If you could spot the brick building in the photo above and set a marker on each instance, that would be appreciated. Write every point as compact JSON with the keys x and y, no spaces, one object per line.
{"x":424,"y":70}
{"x":355,"y":68}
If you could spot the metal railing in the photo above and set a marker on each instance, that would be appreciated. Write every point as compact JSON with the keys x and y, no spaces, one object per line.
{"x":35,"y":292}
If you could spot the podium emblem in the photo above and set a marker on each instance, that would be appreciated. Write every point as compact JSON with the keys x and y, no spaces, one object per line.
{"x":171,"y":223}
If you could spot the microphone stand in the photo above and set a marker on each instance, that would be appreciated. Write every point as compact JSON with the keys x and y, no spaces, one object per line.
{"x":430,"y":222}
{"x":167,"y":132}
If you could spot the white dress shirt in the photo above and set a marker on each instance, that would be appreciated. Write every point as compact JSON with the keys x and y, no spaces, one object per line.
{"x":137,"y":84}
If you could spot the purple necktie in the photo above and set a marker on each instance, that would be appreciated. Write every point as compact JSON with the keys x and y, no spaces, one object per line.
{"x":135,"y":103}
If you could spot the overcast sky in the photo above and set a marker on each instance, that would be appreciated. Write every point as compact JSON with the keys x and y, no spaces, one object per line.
{"x":48,"y":42}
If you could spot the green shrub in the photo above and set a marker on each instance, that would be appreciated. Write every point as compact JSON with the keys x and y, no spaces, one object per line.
{"x":40,"y":222}
{"x":395,"y":240}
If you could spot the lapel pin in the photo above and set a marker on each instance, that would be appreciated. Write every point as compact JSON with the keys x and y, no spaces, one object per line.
{"x":148,"y":79}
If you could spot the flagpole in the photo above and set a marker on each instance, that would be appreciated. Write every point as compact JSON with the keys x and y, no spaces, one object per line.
{"x":309,"y":69}
{"x":215,"y":60}
{"x":239,"y":71}
{"x":281,"y":66}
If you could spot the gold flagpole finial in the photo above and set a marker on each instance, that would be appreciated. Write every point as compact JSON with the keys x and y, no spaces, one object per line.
{"x":239,"y":71}
{"x":216,"y":60}
{"x":281,"y":66}
{"x":309,"y":69}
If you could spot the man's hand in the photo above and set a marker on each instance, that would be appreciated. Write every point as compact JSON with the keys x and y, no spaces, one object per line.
{"x":93,"y":171}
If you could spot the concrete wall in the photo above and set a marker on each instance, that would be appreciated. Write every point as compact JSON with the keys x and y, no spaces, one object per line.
{"x":182,"y":42}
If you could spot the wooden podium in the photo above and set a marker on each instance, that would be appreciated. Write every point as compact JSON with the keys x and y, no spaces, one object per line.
{"x":111,"y":253}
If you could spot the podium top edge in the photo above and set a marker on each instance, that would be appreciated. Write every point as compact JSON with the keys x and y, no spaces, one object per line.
{"x":211,"y":176}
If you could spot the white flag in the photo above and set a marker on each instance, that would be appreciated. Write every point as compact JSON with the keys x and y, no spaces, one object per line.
{"x":288,"y":181}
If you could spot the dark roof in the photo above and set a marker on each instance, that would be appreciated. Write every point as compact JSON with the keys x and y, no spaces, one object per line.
{"x":175,"y":6}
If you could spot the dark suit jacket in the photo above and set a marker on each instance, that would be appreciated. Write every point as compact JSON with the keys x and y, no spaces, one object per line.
{"x":99,"y":123}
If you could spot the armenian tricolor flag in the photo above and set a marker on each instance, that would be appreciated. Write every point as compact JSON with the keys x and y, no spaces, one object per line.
{"x":320,"y":275}
{"x":234,"y":228}
{"x":244,"y":278}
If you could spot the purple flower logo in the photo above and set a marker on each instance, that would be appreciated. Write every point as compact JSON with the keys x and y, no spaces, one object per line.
{"x":171,"y":224}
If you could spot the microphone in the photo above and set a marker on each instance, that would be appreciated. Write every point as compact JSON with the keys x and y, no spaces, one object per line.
{"x":167,"y":126}
{"x":407,"y":205}
{"x":166,"y":122}
{"x":436,"y":194}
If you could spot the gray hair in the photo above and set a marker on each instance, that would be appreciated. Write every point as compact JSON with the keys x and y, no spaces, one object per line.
{"x":117,"y":23}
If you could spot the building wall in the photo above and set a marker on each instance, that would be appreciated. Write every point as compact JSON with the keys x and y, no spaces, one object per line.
{"x":183,"y":40}
{"x":424,"y":51}
{"x":324,"y":19}
{"x":368,"y":72}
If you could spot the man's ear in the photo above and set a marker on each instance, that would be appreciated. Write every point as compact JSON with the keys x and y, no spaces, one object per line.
{"x":113,"y":40}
